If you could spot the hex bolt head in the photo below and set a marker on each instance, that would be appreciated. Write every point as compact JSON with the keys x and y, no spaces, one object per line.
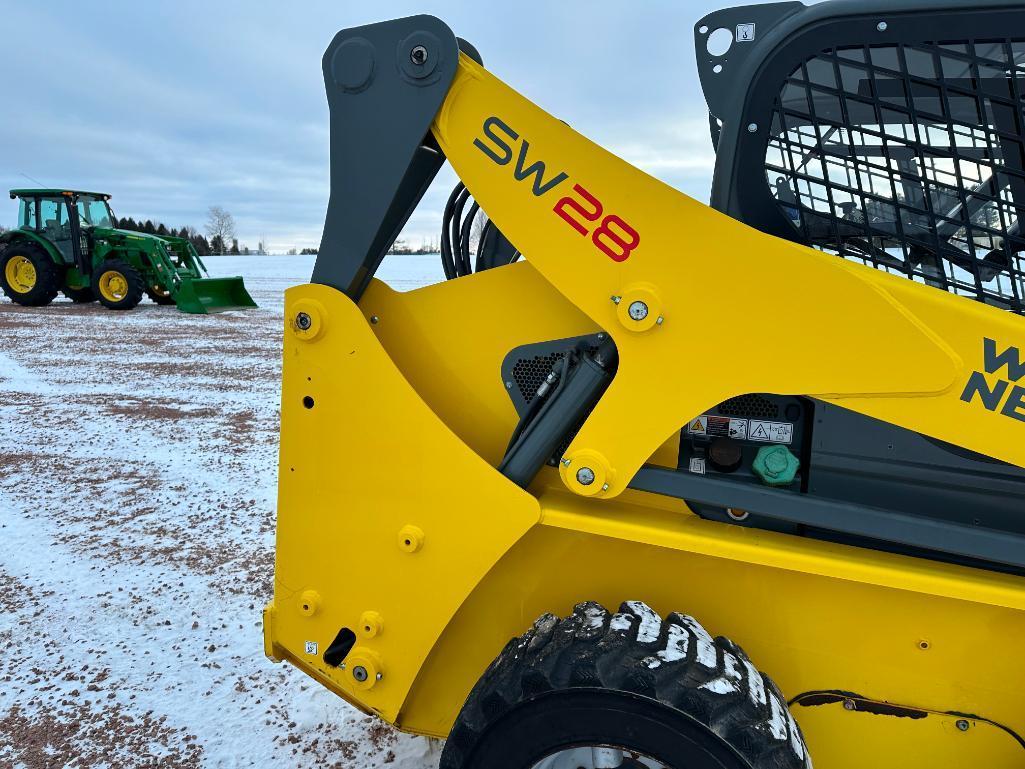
{"x":605,"y":487}
{"x":566,"y":461}
{"x":638,"y":310}
{"x":752,"y":127}
{"x":962,"y":725}
{"x":849,"y":705}
{"x":374,"y":319}
{"x":882,"y":26}
{"x":418,"y":55}
{"x":585,"y":476}
{"x":360,"y":673}
{"x":616,"y":299}
{"x":303,"y":321}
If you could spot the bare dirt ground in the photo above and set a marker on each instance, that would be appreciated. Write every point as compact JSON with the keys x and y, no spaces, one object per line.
{"x":138,"y":464}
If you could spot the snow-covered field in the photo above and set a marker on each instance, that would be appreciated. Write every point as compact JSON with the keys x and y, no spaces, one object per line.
{"x":138,"y":464}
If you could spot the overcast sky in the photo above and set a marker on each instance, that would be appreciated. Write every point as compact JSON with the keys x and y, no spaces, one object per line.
{"x":176,"y":106}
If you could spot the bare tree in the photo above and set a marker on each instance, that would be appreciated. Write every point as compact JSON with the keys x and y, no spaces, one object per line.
{"x":477,"y":230}
{"x":220,"y":227}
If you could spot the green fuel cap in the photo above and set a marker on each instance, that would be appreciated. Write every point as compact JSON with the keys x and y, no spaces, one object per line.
{"x":775,"y":465}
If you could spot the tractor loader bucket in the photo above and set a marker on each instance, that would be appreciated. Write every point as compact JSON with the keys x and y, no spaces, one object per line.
{"x":206,"y":295}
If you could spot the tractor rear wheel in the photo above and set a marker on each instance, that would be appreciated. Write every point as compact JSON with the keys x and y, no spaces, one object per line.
{"x":79,"y":295}
{"x":28,"y":275}
{"x":159,"y":295}
{"x":601,"y":691}
{"x":118,"y":285}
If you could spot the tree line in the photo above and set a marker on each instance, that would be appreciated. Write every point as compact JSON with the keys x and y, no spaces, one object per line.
{"x":220,"y":237}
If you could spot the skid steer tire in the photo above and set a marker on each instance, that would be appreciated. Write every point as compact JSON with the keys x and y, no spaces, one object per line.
{"x":664,"y":690}
{"x":28,"y":275}
{"x":117,"y":285}
{"x":159,"y":296}
{"x":79,"y":295}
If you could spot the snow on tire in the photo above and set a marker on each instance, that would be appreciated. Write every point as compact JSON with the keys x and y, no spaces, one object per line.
{"x":672,"y":663}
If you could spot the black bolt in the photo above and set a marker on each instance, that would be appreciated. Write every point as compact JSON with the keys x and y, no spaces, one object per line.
{"x":418,"y":55}
{"x":962,"y":725}
{"x":303,"y":321}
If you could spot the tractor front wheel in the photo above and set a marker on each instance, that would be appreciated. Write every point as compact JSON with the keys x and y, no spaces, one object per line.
{"x":28,"y":275}
{"x":159,"y":295}
{"x":117,"y":285}
{"x":603,"y":691}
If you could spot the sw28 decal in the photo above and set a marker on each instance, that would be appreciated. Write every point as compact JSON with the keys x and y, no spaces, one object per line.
{"x":581,"y":210}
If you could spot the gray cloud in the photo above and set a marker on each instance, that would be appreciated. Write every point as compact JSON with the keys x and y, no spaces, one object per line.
{"x":176,"y":107}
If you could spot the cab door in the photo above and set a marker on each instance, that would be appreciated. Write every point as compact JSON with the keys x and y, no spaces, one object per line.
{"x":56,"y":226}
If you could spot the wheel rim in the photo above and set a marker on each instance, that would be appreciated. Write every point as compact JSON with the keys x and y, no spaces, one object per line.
{"x":598,"y":757}
{"x":113,"y":286}
{"x":20,"y":274}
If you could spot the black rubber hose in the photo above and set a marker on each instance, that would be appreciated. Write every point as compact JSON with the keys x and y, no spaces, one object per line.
{"x":464,"y":239}
{"x":447,"y":262}
{"x":455,"y":230}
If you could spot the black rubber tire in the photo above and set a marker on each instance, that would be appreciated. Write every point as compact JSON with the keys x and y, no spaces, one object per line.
{"x":79,"y":295}
{"x":47,"y":275}
{"x":159,"y":298}
{"x":665,"y":689}
{"x":132,"y":296}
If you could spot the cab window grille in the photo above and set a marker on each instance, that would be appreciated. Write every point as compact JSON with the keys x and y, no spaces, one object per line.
{"x":911,"y":159}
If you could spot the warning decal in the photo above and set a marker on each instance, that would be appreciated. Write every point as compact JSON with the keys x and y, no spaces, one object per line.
{"x":720,"y":427}
{"x":697,"y":465}
{"x":771,"y":432}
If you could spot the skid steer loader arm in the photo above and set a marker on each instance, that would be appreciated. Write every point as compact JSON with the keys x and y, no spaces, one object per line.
{"x":611,"y":238}
{"x":409,"y":548}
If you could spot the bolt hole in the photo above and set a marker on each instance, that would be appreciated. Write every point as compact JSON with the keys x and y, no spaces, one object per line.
{"x":408,"y":542}
{"x":306,"y":607}
{"x":923,"y":644}
{"x":366,"y":628}
{"x":719,"y":42}
{"x":703,"y":30}
{"x":309,"y":379}
{"x":717,"y":68}
{"x":308,"y":402}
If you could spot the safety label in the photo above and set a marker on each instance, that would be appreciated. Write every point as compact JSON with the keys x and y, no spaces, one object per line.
{"x":697,"y":465}
{"x":771,"y":432}
{"x":719,"y":427}
{"x":311,"y":647}
{"x":745,"y":33}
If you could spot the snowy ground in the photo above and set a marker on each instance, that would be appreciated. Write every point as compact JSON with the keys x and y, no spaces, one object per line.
{"x":138,"y":464}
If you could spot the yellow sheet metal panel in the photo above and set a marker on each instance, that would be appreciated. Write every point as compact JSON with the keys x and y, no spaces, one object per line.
{"x":808,"y":631}
{"x":837,"y":738}
{"x":605,"y":234}
{"x":449,"y":341}
{"x":365,"y":464}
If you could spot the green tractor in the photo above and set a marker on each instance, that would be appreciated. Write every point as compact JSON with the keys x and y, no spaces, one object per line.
{"x":66,"y":241}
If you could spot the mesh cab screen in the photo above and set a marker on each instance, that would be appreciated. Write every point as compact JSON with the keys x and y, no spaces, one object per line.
{"x":911,"y":159}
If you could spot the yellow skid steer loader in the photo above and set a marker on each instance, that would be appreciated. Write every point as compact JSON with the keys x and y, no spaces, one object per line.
{"x":796,"y":417}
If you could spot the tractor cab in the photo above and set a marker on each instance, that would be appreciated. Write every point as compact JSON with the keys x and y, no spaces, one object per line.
{"x":60,"y":215}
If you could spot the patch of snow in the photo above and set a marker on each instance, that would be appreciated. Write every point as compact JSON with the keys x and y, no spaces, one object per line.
{"x":650,"y":622}
{"x":706,"y":655}
{"x":755,"y":686}
{"x":621,"y":623}
{"x":138,"y":473}
{"x":777,"y":718}
{"x":677,"y":643}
